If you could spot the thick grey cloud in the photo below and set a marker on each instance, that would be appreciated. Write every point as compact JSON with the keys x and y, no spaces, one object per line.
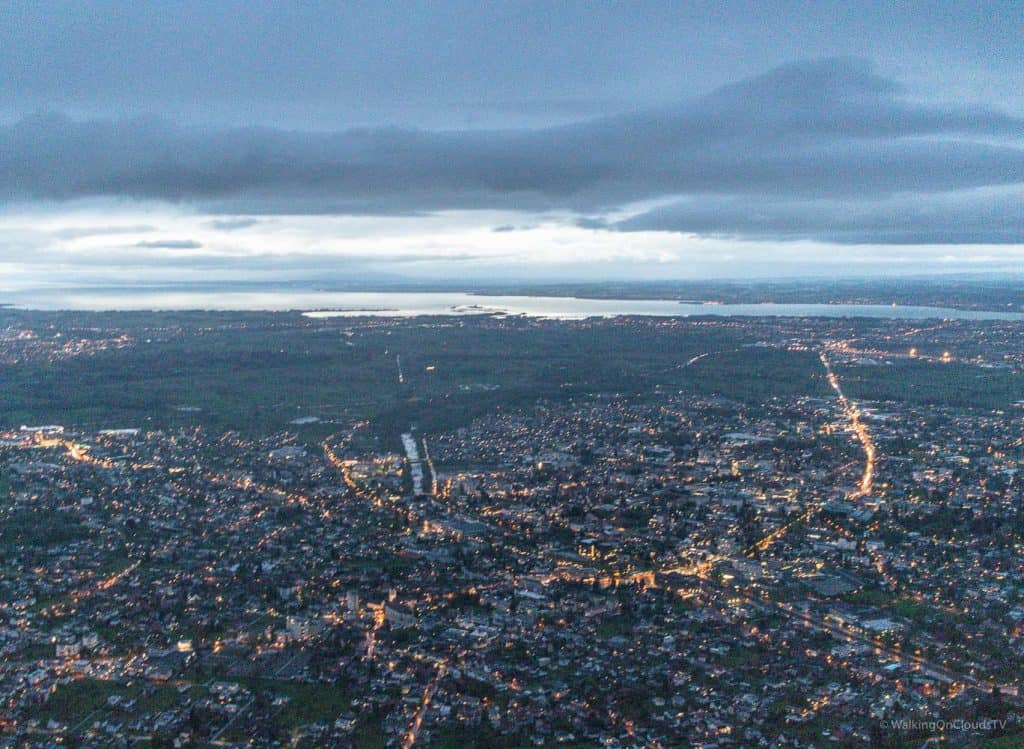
{"x":958,"y":218}
{"x":330,"y":65}
{"x":824,"y":130}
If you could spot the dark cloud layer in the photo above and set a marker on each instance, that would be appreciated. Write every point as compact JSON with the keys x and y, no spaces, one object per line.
{"x":330,"y":65}
{"x":960,"y":218}
{"x":825,"y":149}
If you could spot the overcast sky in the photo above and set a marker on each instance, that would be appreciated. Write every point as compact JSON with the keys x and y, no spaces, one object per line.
{"x":519,"y":140}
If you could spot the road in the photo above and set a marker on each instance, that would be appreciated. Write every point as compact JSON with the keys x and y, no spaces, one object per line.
{"x":867,"y":479}
{"x":852,"y":413}
{"x":428,"y":694}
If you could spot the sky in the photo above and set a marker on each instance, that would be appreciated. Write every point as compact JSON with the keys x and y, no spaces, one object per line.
{"x":151,"y":142}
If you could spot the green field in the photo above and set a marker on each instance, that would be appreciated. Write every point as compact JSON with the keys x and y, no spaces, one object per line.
{"x":256,"y":373}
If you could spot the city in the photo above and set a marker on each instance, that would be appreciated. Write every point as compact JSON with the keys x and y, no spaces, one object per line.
{"x":511,"y":373}
{"x":760,"y":544}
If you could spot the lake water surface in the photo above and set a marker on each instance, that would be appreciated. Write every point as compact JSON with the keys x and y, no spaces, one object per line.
{"x":410,"y":304}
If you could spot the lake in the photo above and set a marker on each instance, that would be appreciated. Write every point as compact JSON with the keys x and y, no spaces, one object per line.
{"x":322,"y":304}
